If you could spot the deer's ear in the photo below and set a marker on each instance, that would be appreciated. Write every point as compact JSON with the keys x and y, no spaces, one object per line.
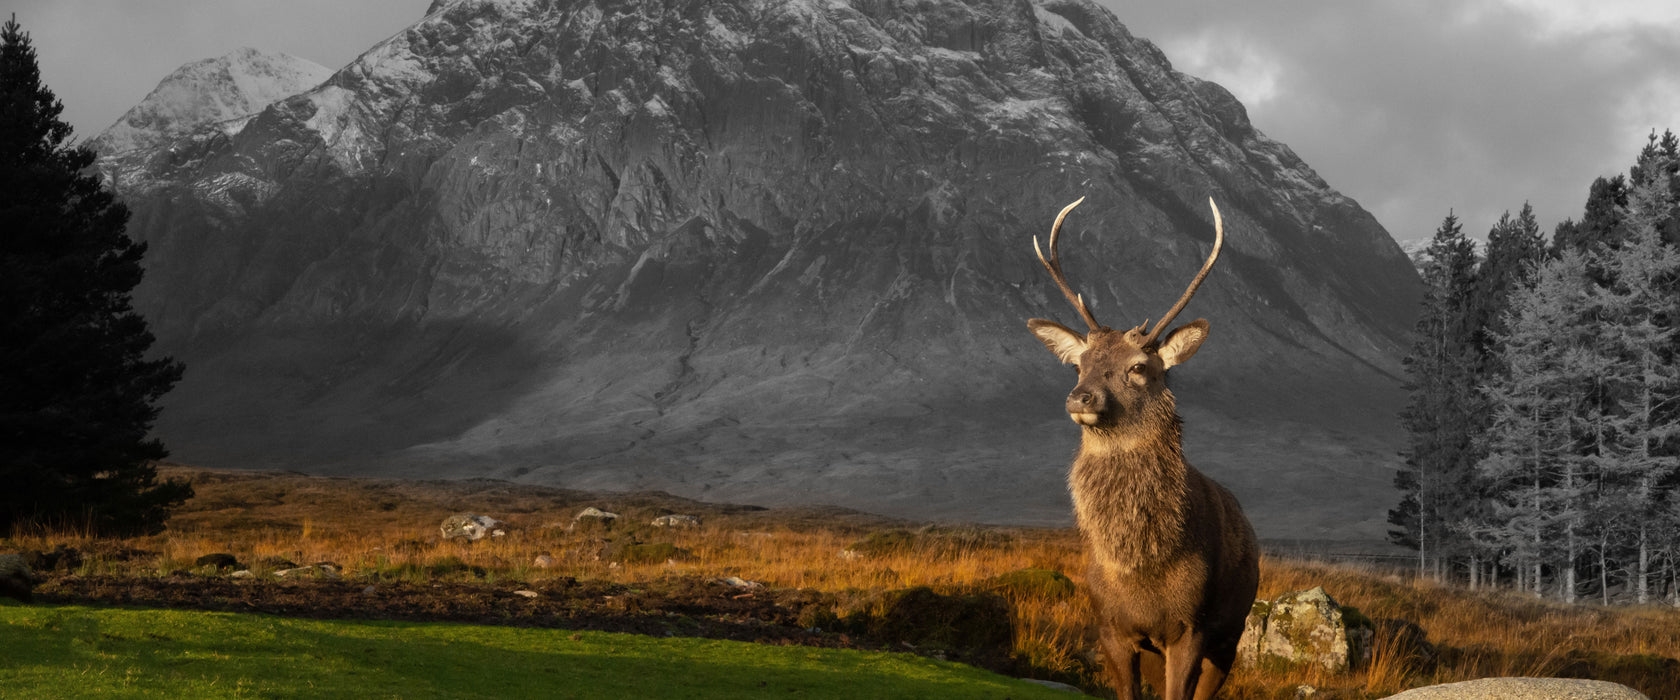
{"x":1063,"y":341}
{"x":1183,"y":342}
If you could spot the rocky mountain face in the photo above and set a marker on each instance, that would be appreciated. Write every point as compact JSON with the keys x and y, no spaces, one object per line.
{"x":764,"y":252}
{"x":210,"y":91}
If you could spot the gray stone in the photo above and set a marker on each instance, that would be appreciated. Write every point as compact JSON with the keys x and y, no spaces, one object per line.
{"x":471,"y":528}
{"x":738,"y":582}
{"x":593,"y":519}
{"x":543,"y":561}
{"x":1303,"y":628}
{"x":1523,"y":689}
{"x":674,"y":520}
{"x":16,"y":579}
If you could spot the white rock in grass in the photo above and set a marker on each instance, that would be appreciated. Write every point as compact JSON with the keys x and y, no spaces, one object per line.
{"x":470,"y":527}
{"x":674,"y":520}
{"x":1523,"y":689}
{"x":592,"y":518}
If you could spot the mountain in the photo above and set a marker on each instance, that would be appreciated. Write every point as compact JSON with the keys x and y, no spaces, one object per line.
{"x":755,"y":251}
{"x":210,"y":91}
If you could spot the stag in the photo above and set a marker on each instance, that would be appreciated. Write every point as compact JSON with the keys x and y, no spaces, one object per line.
{"x":1172,"y":563}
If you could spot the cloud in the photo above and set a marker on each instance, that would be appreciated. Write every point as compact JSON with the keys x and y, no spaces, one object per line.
{"x":1415,"y":107}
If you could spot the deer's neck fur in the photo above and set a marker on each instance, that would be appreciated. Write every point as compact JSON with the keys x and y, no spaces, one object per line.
{"x":1129,"y":486}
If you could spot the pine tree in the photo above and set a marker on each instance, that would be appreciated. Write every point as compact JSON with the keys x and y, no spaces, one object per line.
{"x":1537,"y":484}
{"x":1639,"y":311}
{"x":76,"y":391}
{"x":1601,"y":222}
{"x":1515,"y":249}
{"x":1440,"y":372}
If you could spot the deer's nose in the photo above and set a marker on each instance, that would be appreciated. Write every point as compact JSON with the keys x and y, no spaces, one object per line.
{"x":1081,"y":401}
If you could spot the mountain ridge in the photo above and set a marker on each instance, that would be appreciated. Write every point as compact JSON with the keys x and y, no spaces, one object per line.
{"x":761,"y":251}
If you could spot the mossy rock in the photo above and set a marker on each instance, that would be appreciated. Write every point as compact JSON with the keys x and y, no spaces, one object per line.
{"x":1032,"y":583}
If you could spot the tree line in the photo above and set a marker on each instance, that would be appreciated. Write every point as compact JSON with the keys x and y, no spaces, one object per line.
{"x":1545,"y":398}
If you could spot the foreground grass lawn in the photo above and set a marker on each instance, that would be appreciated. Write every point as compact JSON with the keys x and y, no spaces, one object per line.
{"x":77,"y":651}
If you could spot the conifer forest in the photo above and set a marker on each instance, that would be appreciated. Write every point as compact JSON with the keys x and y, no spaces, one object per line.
{"x":1545,"y":398}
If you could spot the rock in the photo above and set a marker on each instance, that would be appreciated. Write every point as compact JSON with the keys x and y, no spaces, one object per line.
{"x":1305,"y":692}
{"x":1304,"y":628}
{"x":738,"y":582}
{"x":674,"y":520}
{"x":275,"y":562}
{"x":471,"y":528}
{"x":543,"y":561}
{"x":220,"y":560}
{"x":16,"y":578}
{"x":593,"y":519}
{"x":526,"y":594}
{"x":1523,"y":689}
{"x":324,"y":569}
{"x":242,"y":573}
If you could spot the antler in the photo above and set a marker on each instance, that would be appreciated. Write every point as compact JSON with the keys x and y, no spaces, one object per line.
{"x":1054,"y":265}
{"x":1218,"y":240}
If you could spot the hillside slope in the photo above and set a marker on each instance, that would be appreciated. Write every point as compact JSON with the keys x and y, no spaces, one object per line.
{"x":760,"y":251}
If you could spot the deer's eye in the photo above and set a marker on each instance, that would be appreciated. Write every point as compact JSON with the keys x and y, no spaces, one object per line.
{"x":1138,"y":369}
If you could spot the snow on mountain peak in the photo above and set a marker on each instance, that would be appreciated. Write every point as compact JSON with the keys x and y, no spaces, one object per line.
{"x":212,"y":90}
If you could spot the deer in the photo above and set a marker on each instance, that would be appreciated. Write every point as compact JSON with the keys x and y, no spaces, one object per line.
{"x":1172,"y":564}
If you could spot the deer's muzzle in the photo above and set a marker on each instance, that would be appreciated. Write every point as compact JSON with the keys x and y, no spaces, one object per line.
{"x":1084,"y":407}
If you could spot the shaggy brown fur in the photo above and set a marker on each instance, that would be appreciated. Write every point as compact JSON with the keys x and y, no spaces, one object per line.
{"x":1173,"y":563}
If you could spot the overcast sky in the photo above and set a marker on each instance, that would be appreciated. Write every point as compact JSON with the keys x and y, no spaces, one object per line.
{"x":1411,"y":107}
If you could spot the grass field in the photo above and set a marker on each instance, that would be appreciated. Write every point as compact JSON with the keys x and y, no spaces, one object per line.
{"x":64,"y":651}
{"x":830,"y":577}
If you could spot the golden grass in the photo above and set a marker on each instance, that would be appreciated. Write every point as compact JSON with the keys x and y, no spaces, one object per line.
{"x":387,"y":527}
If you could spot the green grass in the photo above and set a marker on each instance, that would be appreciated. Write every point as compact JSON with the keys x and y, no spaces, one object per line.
{"x":67,"y":651}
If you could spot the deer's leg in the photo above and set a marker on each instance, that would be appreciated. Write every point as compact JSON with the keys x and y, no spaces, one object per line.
{"x":1122,"y":664}
{"x":1216,"y":665}
{"x":1211,"y":680}
{"x":1184,"y":664}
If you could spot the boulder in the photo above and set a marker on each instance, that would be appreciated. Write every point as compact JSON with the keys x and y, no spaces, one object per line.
{"x":1523,"y":689}
{"x":472,"y":528}
{"x":543,"y":561}
{"x":738,"y":582}
{"x":1305,"y":628}
{"x":675,"y":520}
{"x":16,"y":579}
{"x":593,"y":519}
